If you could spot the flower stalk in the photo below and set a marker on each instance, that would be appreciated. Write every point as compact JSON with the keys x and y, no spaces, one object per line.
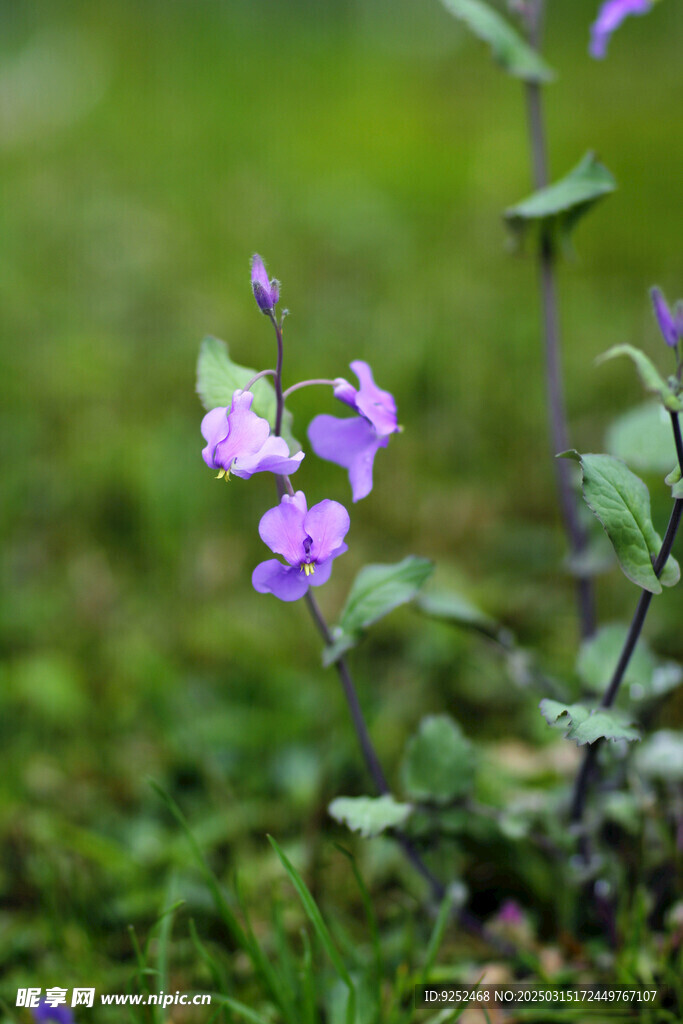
{"x":555,"y":399}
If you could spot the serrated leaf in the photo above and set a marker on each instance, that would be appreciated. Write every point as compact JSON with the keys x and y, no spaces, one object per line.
{"x":586,"y":726}
{"x":599,"y":654}
{"x":376,"y":591}
{"x":454,"y":607}
{"x":556,"y":209}
{"x":621,"y":502}
{"x":650,"y":377}
{"x":218,"y":377}
{"x":508,"y":47}
{"x":643,"y":438}
{"x":439,"y":761}
{"x":369,"y":815}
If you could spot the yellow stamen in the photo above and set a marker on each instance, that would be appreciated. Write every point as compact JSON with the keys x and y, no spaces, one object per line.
{"x":308,"y":568}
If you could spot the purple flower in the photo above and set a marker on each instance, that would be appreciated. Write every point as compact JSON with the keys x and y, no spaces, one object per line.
{"x":309,"y":539}
{"x":266,"y":293}
{"x":60,"y":1014}
{"x":510,"y":913}
{"x":670,"y":322}
{"x":353,"y":443}
{"x":610,"y":17}
{"x":240,"y":442}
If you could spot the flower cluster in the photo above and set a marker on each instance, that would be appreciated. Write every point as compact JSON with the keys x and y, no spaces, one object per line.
{"x":240,"y":443}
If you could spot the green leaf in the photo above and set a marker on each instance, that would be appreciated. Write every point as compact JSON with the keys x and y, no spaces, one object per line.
{"x":585,"y":726}
{"x":643,"y":438}
{"x":507,"y":46}
{"x":369,"y":815}
{"x":621,"y":502}
{"x":599,"y":655}
{"x":650,"y":376}
{"x":376,"y":591}
{"x":454,"y":607}
{"x":556,"y":209}
{"x":218,"y":377}
{"x":439,"y":761}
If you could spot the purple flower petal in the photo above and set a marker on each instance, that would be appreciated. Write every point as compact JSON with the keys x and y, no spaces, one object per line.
{"x":60,"y":1014}
{"x":287,"y":582}
{"x":282,"y":529}
{"x":665,"y":318}
{"x":678,"y":318}
{"x":323,"y":569}
{"x":266,"y":293}
{"x":273,"y":457}
{"x":610,"y":17}
{"x":349,"y":443}
{"x":376,"y":405}
{"x":327,"y":523}
{"x":214,"y":429}
{"x":247,"y":432}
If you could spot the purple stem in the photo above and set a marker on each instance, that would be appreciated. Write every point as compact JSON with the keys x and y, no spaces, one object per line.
{"x":257,"y":376}
{"x":557,"y":414}
{"x":306,"y":384}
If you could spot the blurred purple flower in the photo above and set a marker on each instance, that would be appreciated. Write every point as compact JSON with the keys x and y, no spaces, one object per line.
{"x":670,"y":322}
{"x":240,"y":442}
{"x":266,"y":293}
{"x":60,"y":1014}
{"x":610,"y":17}
{"x":309,"y":539}
{"x":353,"y":443}
{"x":511,"y":913}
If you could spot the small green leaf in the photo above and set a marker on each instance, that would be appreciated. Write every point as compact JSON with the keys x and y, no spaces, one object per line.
{"x":218,"y":377}
{"x":369,"y":815}
{"x":455,"y":608}
{"x":439,"y":761}
{"x":585,"y":726}
{"x":650,"y":376}
{"x":507,"y":46}
{"x":376,"y":591}
{"x":643,"y":438}
{"x":557,"y":209}
{"x":621,"y":502}
{"x":599,"y":654}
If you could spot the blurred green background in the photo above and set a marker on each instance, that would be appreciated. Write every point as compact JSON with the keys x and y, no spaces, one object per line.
{"x":366,"y":150}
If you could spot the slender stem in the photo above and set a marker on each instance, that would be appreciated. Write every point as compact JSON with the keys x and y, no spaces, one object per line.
{"x":306,"y":384}
{"x":557,"y":414}
{"x":590,"y":757}
{"x":257,"y":376}
{"x":280,"y":402}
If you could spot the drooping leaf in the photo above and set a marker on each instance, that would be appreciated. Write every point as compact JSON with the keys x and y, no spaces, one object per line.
{"x":507,"y":46}
{"x":556,"y":209}
{"x":643,"y":438}
{"x":369,"y":815}
{"x":439,"y":761}
{"x":650,"y":377}
{"x":218,"y":377}
{"x":458,"y":609}
{"x":585,"y":726}
{"x":621,"y":502}
{"x":376,"y":591}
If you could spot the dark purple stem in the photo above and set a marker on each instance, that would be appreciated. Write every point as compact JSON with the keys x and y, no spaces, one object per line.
{"x":586,"y":771}
{"x":280,"y":402}
{"x":557,"y":414}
